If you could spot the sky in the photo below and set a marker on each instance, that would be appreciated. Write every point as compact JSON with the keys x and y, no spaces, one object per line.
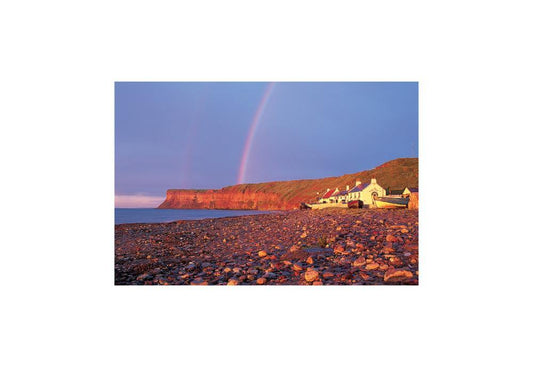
{"x":179,"y":135}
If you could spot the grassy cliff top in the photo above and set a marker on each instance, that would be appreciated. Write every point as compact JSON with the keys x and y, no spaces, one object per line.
{"x":396,"y":174}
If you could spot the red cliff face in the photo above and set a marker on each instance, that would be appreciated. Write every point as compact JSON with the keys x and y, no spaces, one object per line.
{"x":224,"y":199}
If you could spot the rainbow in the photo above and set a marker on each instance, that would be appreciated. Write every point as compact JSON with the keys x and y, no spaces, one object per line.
{"x":251,"y":132}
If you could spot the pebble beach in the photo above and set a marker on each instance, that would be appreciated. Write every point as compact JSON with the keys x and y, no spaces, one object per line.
{"x":301,"y":247}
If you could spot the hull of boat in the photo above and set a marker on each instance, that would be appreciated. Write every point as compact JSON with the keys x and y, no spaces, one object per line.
{"x":391,"y":203}
{"x":355,"y":204}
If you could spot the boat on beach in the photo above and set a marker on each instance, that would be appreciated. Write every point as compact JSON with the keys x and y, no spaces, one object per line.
{"x":355,"y":204}
{"x":388,"y":202}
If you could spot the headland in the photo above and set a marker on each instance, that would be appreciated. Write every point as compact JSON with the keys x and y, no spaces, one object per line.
{"x":285,"y":195}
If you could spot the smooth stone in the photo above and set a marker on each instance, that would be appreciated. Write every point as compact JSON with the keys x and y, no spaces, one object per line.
{"x":359,"y":262}
{"x":198,"y":281}
{"x":311,"y":275}
{"x":394,"y":275}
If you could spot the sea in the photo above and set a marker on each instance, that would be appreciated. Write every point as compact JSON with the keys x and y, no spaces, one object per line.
{"x":170,"y":215}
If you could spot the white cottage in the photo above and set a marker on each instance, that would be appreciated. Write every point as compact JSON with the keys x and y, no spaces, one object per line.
{"x":367,"y":193}
{"x":342,"y":196}
{"x":409,"y":190}
{"x":329,"y":196}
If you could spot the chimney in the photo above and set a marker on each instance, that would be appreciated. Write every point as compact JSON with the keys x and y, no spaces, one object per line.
{"x":357,"y":182}
{"x":347,"y":187}
{"x":373,"y":181}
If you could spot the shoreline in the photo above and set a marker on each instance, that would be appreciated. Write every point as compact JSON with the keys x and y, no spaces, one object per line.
{"x":293,"y":247}
{"x":155,"y":216}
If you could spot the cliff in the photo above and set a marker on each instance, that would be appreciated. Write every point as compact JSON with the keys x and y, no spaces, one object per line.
{"x":226,"y":198}
{"x":283,"y":195}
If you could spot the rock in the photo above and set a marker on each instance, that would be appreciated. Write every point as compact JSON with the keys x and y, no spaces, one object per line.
{"x":309,"y":260}
{"x":383,"y":267}
{"x":311,"y":275}
{"x":198,"y":281}
{"x":338,"y":249}
{"x":328,"y":274}
{"x":372,"y":266}
{"x":317,"y":282}
{"x":299,"y":254}
{"x":297,"y":266}
{"x":394,"y":275}
{"x":391,"y":238}
{"x":388,"y":250}
{"x":233,"y":282}
{"x":339,"y":228}
{"x":262,"y":253}
{"x":227,"y":270}
{"x":343,"y":260}
{"x":395,"y":261}
{"x":405,"y":230}
{"x":294,"y":248}
{"x":144,"y":276}
{"x":359,"y":262}
{"x":303,"y":235}
{"x":261,"y":281}
{"x":270,"y":275}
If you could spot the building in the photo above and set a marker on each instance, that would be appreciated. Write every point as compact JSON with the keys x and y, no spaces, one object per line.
{"x":328,"y":196}
{"x":367,"y":193}
{"x":412,"y":194}
{"x":409,"y":190}
{"x":392,"y":192}
{"x":342,"y":196}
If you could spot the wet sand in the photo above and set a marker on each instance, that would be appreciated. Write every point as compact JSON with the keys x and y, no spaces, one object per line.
{"x":319,"y":247}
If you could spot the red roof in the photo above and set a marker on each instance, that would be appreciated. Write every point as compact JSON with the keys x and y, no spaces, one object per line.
{"x":328,"y":194}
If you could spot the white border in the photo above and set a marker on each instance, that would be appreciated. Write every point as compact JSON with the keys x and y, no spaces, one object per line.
{"x":60,"y":62}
